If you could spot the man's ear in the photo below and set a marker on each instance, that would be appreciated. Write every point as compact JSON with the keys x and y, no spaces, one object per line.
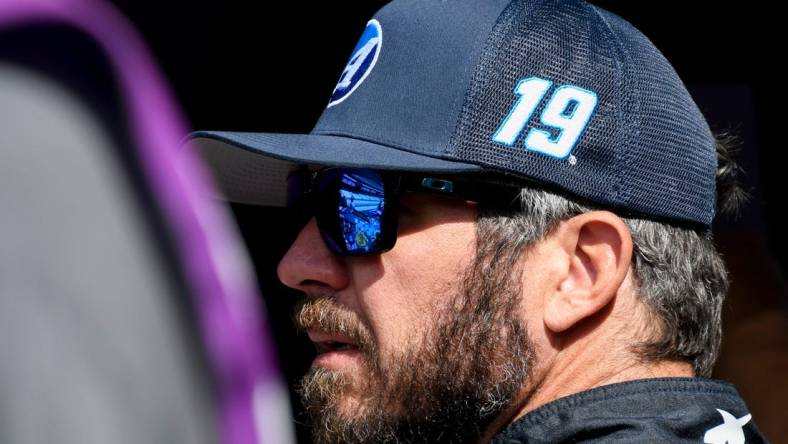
{"x":597,"y":249}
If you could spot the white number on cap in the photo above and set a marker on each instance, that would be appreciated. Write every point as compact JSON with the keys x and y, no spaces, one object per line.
{"x":567,"y":112}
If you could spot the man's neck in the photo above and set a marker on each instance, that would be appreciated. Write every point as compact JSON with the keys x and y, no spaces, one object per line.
{"x":570,"y":382}
{"x":560,"y":380}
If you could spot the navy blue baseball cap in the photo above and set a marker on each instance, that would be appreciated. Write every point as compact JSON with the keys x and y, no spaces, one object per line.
{"x":558,"y":92}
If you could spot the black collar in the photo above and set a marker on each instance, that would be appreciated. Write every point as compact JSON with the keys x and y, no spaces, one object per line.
{"x":646,"y":410}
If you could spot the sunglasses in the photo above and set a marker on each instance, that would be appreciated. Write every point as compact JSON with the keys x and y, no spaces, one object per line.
{"x":356,"y":208}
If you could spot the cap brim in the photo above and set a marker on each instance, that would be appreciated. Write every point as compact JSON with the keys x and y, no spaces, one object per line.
{"x":252,"y":168}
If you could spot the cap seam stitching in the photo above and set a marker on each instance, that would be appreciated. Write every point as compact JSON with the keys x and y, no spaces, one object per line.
{"x":450,"y":146}
{"x":626,"y":155}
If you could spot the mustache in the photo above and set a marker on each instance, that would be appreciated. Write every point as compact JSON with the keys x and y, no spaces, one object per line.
{"x":322,"y":313}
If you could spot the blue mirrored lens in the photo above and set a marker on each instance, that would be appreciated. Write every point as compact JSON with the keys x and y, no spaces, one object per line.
{"x":361,"y":206}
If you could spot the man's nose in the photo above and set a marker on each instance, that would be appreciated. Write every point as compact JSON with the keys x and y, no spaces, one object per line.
{"x":309,"y":264}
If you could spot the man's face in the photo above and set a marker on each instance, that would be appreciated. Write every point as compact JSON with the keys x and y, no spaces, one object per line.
{"x":421,"y":343}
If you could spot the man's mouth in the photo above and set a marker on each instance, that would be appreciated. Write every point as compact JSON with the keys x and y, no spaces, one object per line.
{"x":332,"y":348}
{"x":327,"y":342}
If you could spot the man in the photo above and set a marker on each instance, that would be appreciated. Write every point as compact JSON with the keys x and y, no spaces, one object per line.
{"x":506,"y":233}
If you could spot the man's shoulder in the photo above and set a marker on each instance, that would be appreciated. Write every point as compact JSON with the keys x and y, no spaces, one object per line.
{"x":645,"y":410}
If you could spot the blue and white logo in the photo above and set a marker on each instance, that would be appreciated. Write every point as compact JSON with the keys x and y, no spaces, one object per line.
{"x":363,"y":59}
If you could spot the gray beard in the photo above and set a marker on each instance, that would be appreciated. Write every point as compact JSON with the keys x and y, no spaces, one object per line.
{"x":449,"y":387}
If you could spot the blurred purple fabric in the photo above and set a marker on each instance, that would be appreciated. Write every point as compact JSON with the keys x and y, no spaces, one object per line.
{"x":254,"y":406}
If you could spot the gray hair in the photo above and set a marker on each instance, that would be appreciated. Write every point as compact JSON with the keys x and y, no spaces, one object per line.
{"x":679,"y":273}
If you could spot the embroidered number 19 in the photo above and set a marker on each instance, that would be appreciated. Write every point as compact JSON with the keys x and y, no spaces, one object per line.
{"x":568,"y":111}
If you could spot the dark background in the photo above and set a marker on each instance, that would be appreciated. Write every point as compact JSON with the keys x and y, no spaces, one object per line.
{"x":271,"y":66}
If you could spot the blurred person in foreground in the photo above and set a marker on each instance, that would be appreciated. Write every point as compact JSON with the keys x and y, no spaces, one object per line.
{"x":506,"y":233}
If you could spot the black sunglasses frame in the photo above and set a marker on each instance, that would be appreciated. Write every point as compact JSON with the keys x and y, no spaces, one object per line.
{"x":315,"y":193}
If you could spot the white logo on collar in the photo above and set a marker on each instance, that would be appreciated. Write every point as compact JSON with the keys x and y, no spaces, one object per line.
{"x":363,"y":59}
{"x":729,"y":432}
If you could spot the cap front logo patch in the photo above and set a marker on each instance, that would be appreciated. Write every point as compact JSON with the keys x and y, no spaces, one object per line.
{"x":363,"y":59}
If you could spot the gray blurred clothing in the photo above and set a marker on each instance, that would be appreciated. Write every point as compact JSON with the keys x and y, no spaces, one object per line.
{"x":94,"y":348}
